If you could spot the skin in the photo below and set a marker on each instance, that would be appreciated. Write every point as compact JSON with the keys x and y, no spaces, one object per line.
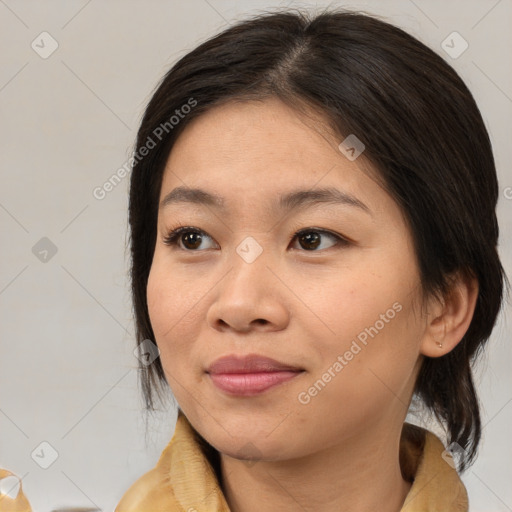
{"x":301,"y":307}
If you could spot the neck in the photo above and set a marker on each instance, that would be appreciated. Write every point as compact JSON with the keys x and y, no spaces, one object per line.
{"x":361,"y":474}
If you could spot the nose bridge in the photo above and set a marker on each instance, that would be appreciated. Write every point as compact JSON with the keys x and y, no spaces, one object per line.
{"x":250,"y":249}
{"x":249,"y":262}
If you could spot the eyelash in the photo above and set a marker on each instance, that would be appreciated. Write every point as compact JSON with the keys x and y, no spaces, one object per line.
{"x":172,"y":238}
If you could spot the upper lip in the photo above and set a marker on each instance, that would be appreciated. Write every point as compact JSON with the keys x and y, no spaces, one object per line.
{"x":252,"y":363}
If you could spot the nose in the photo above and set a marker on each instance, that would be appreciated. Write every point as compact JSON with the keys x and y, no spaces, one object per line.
{"x":249,"y":297}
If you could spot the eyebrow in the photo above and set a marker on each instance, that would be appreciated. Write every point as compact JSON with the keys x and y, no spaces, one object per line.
{"x":287,"y":202}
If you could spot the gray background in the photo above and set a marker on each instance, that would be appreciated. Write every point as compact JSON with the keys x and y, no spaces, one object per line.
{"x":68,"y":121}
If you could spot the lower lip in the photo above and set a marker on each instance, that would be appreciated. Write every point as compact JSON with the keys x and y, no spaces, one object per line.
{"x":247,"y":384}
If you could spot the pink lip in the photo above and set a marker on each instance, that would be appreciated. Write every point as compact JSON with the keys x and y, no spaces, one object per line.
{"x":249,"y":375}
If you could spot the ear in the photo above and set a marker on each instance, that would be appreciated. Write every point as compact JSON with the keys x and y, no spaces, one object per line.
{"x":449,"y":320}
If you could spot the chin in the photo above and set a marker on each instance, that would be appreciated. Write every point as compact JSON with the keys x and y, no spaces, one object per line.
{"x":252,"y":449}
{"x":249,"y":442}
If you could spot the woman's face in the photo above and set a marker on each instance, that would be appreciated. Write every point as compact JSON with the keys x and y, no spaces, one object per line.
{"x":336,"y":312}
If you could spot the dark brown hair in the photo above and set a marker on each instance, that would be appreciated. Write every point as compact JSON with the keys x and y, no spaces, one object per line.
{"x":422,"y":130}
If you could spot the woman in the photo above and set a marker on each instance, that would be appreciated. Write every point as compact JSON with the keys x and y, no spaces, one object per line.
{"x":313,"y":239}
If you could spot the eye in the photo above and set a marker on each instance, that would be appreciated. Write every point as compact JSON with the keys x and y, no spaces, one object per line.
{"x":190,"y":238}
{"x":310,"y":239}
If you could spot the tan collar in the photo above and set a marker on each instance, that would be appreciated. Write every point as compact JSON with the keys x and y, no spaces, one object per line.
{"x":184,"y":481}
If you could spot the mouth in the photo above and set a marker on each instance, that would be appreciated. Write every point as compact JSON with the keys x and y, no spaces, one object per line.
{"x":250,"y":375}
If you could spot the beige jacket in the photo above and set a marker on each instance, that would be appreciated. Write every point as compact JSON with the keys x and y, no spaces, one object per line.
{"x":184,"y":480}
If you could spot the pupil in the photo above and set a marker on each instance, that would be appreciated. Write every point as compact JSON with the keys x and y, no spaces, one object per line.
{"x":189,"y":239}
{"x":311,"y":238}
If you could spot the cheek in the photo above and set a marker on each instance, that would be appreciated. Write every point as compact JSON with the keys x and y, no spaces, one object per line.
{"x":378,"y":359}
{"x":361,"y":382}
{"x":169,"y":298}
{"x":160,"y":304}
{"x":374,"y":338}
{"x":167,"y":311}
{"x":362,"y":306}
{"x":176,"y":314}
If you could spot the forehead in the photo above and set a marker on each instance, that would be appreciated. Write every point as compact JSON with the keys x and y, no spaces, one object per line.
{"x":258,"y":150}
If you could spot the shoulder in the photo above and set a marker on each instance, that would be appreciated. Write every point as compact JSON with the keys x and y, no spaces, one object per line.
{"x":152,"y":491}
{"x":182,"y":480}
{"x":436,"y":483}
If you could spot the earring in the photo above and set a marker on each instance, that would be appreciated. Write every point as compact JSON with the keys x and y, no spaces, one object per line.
{"x":439,"y":344}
